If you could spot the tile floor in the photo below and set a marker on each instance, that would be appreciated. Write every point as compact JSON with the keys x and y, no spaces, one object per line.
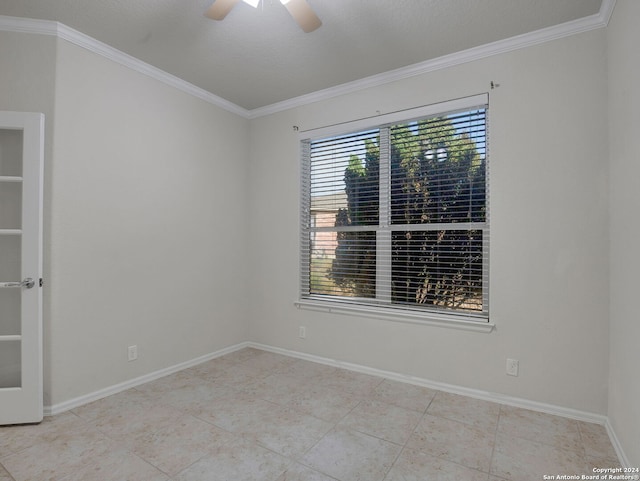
{"x":255,"y":415}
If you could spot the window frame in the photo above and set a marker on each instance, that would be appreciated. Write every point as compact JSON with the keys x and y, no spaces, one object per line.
{"x":374,"y":307}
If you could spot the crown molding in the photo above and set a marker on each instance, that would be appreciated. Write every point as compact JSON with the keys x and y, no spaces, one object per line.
{"x":48,"y":27}
{"x":574,"y":27}
{"x":100,"y":48}
{"x":606,"y":10}
{"x":28,"y":25}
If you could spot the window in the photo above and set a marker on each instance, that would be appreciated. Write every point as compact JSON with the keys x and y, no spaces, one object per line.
{"x":394,"y":217}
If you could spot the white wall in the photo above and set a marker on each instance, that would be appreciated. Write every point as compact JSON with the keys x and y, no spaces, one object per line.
{"x":27,"y":80}
{"x":549,"y":244}
{"x":145,"y":229}
{"x":148,"y":229}
{"x":144,"y":172}
{"x":28,"y":73}
{"x":624,"y":126}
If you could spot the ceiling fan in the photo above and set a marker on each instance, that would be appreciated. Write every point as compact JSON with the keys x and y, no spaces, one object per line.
{"x":300,"y":10}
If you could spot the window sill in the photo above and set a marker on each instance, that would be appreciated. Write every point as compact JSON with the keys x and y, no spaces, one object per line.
{"x":424,"y":318}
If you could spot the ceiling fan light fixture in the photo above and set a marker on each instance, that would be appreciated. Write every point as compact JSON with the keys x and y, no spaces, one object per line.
{"x":300,"y":10}
{"x":303,"y":14}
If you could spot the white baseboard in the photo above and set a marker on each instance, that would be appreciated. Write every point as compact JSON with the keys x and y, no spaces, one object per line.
{"x":123,"y":386}
{"x":451,"y":388}
{"x":440,"y":386}
{"x":624,"y":461}
{"x":475,"y":393}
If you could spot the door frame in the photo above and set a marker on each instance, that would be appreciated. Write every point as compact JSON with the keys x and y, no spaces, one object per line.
{"x":25,"y":404}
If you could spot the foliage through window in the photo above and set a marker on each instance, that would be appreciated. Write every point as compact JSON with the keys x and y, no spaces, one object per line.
{"x":396,"y":216}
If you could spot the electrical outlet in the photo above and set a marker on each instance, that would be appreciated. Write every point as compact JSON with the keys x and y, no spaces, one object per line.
{"x":303,"y":332}
{"x":132,"y":353}
{"x":512,"y":367}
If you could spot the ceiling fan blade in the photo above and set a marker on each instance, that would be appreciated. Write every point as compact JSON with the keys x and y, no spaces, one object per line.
{"x":302,"y":13}
{"x":220,"y":9}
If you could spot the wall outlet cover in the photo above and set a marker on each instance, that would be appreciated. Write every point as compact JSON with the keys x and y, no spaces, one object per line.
{"x":512,"y":367}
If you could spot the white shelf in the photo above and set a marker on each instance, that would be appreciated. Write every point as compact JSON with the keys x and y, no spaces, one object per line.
{"x":10,"y":178}
{"x":10,"y":231}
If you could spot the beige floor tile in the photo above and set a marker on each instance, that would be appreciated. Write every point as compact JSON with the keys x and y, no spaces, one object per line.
{"x":476,"y":412}
{"x":518,"y":459}
{"x":61,"y":457}
{"x":4,"y":475}
{"x":352,"y":456}
{"x":128,"y":424}
{"x":287,"y":432}
{"x":239,"y":375}
{"x":599,"y":462}
{"x":111,"y":405}
{"x":276,"y":388}
{"x":597,"y":445}
{"x":211,"y":369}
{"x":268,"y":362}
{"x":236,"y":412}
{"x":117,"y":465}
{"x":417,"y":466}
{"x":455,"y":441}
{"x":350,"y":382}
{"x":324,"y":403}
{"x":237,"y":461}
{"x":540,"y":427}
{"x":241,"y":355}
{"x":179,"y":445}
{"x":297,"y":472}
{"x":193,"y":395}
{"x":256,"y":415}
{"x":168,"y":383}
{"x":382,"y":420}
{"x":408,"y":396}
{"x":306,"y":370}
{"x":16,"y":438}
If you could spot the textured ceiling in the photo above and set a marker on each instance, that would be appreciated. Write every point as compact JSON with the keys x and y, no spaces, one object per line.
{"x":257,"y":57}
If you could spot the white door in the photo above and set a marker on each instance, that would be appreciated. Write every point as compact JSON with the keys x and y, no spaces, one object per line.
{"x":21,"y":164}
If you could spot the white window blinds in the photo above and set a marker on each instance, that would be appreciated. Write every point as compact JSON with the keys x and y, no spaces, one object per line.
{"x":396,"y":216}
